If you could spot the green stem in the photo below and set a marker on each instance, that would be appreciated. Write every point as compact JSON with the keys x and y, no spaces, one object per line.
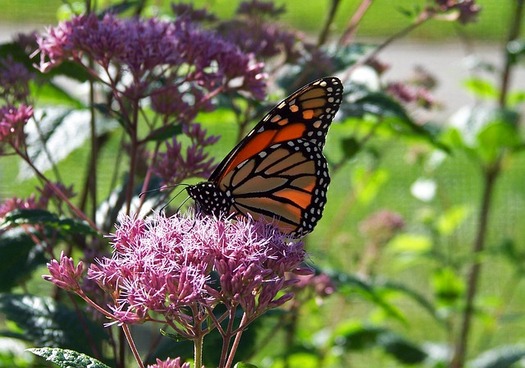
{"x":460,"y":349}
{"x":197,"y":350}
{"x":514,"y":34}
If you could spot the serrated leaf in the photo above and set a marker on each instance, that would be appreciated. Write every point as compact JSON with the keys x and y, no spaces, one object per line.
{"x":66,"y":358}
{"x":44,"y":322}
{"x":19,"y":257}
{"x":43,"y":217}
{"x":500,"y":357}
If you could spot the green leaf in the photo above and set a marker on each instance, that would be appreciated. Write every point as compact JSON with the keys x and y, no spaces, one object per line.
{"x":392,"y":115}
{"x":516,"y":50}
{"x":481,"y":88}
{"x":60,"y":131}
{"x":484,"y":132}
{"x":44,"y":322}
{"x":19,"y":257}
{"x":410,"y":244}
{"x":403,"y":350}
{"x":516,"y":98}
{"x":376,"y":294}
{"x":351,"y":146}
{"x":66,"y":358}
{"x":43,"y":217}
{"x":452,"y":218}
{"x":164,"y":133}
{"x":244,"y":365}
{"x":355,"y":336}
{"x":501,"y":357}
{"x":50,"y":93}
{"x":448,"y":286}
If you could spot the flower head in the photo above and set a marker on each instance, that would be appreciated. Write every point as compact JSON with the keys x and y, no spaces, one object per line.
{"x":16,"y":203}
{"x":14,"y":81}
{"x":64,"y":273}
{"x":12,"y":121}
{"x":148,"y":49}
{"x":169,"y":363}
{"x":173,"y":166}
{"x":467,"y":10}
{"x":171,"y":265}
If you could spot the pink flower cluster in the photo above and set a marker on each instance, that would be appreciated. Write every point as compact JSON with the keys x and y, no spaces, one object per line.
{"x":12,"y":121}
{"x":182,"y":267}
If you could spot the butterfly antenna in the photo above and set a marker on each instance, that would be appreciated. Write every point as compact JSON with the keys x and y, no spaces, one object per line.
{"x":175,"y":196}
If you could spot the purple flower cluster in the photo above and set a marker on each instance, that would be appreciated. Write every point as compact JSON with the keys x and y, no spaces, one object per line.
{"x":173,"y":167}
{"x":47,"y":192}
{"x":183,"y":267}
{"x":14,"y":81}
{"x":408,"y":93}
{"x":12,"y":121}
{"x":253,"y":33}
{"x":151,"y":48}
{"x":467,"y":10}
{"x":169,"y":363}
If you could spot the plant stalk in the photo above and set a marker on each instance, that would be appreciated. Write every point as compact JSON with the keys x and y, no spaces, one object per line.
{"x":460,"y":349}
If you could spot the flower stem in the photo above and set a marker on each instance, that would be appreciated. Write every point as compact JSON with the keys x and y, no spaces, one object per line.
{"x":197,"y":350}
{"x":133,"y":347}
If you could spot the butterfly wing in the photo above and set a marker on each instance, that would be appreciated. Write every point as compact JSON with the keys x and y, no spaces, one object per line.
{"x":278,"y":171}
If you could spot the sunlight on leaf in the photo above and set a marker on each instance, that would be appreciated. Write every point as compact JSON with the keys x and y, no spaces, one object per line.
{"x":452,"y":218}
{"x":68,"y":358}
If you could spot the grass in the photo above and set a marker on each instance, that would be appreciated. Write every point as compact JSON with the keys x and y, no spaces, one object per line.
{"x":384,"y":18}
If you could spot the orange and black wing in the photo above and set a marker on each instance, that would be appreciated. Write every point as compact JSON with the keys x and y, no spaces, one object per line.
{"x":278,"y":171}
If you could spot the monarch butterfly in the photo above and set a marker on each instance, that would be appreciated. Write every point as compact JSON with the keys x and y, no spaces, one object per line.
{"x":278,"y":171}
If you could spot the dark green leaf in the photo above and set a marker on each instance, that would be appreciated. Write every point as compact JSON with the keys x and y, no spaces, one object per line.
{"x":350,"y":146}
{"x":43,"y":217}
{"x":43,"y":322}
{"x":68,"y":358}
{"x":164,"y":133}
{"x":403,"y":350}
{"x":350,"y":284}
{"x":501,"y":357}
{"x":19,"y":257}
{"x":358,"y":337}
{"x":119,"y":8}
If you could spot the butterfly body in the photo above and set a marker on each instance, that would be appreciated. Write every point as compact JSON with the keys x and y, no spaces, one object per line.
{"x":278,"y":171}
